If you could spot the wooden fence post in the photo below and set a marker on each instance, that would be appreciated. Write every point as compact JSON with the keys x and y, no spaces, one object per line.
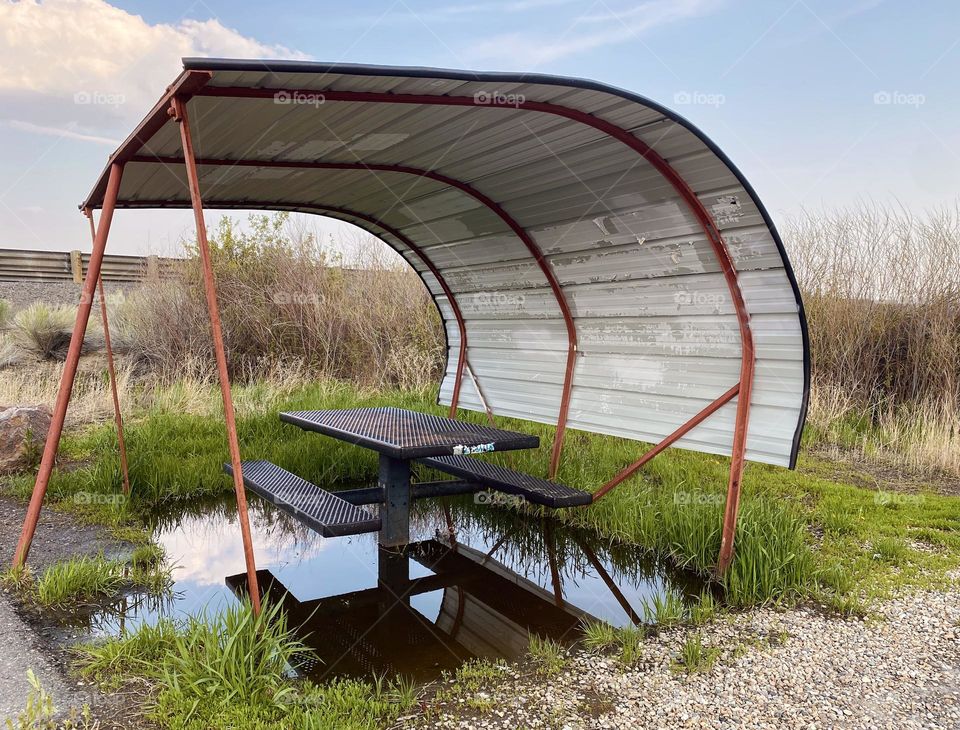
{"x":76,"y":267}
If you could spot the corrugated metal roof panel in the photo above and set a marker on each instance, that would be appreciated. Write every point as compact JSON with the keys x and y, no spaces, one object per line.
{"x":658,"y":333}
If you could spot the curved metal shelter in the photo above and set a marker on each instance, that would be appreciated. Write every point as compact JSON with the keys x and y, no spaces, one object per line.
{"x":598,"y":262}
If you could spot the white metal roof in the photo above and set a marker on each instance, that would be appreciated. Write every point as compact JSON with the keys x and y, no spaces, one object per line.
{"x":657,"y":329}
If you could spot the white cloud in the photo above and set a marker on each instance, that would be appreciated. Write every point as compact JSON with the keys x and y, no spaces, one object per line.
{"x":67,"y":132}
{"x":593,"y":30}
{"x":85,"y":64}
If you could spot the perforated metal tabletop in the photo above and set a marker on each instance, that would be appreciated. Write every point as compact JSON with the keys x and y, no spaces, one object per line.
{"x":405,"y":434}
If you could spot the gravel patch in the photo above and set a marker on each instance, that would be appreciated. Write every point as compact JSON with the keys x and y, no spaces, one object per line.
{"x":20,"y":653}
{"x":777,"y":669}
{"x":26,"y":644}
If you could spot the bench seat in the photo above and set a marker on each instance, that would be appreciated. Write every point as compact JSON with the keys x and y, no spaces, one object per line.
{"x":318,"y":509}
{"x":499,"y":478}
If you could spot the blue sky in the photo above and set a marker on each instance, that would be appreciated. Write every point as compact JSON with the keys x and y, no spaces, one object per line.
{"x":820,"y":103}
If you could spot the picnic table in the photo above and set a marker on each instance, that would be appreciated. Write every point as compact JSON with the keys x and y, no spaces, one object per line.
{"x":400,"y":437}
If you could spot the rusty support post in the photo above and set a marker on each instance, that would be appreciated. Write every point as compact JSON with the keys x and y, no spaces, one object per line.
{"x":111,"y":369}
{"x":737,"y":460}
{"x":179,"y":113}
{"x":69,"y":370}
{"x":608,"y":581}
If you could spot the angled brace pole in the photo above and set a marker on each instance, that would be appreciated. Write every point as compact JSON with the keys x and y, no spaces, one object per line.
{"x":69,"y":369}
{"x":625,"y":474}
{"x":111,"y":368}
{"x":178,"y":111}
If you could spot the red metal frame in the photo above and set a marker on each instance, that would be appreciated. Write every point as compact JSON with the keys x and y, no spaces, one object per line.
{"x":489,"y":203}
{"x":187,"y":83}
{"x":745,"y":386}
{"x":179,"y":113}
{"x":69,"y":369}
{"x":748,"y":357}
{"x":111,"y":368}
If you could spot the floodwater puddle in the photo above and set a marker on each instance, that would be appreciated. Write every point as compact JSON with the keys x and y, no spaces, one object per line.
{"x":476,"y":581}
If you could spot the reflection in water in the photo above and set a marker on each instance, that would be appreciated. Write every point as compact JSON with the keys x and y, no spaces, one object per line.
{"x":479,"y":591}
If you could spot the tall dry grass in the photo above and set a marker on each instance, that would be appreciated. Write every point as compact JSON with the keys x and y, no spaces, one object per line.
{"x":881,"y":287}
{"x":284,"y":297}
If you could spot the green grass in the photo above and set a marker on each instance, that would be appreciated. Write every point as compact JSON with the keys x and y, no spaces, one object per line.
{"x":87,"y":579}
{"x":599,"y":635}
{"x":548,"y":656}
{"x":705,"y":609}
{"x":666,"y":609}
{"x":473,"y":682}
{"x":800,"y":533}
{"x":626,"y":642}
{"x":890,"y":550}
{"x":630,"y":644}
{"x":40,"y":712}
{"x":231,"y":670}
{"x":79,"y":580}
{"x":694,"y":656}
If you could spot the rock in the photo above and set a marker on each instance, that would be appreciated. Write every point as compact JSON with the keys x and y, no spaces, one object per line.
{"x":23,"y":430}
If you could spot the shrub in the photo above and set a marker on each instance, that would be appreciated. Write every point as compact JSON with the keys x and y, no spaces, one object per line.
{"x":44,"y":331}
{"x":881,"y":288}
{"x":283,"y":296}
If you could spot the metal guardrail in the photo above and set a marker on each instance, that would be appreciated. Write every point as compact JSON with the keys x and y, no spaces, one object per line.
{"x":28,"y":265}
